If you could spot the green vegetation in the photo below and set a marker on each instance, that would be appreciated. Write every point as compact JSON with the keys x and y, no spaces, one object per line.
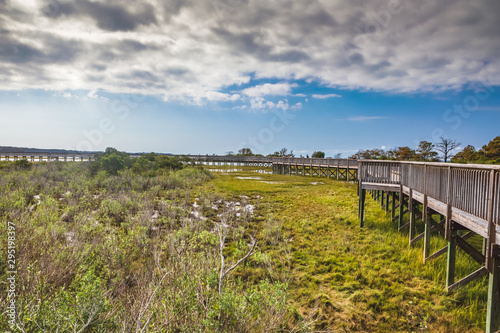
{"x":112,"y":161}
{"x":489,"y":153}
{"x":428,"y":152}
{"x":133,"y":245}
{"x":283,"y":152}
{"x":318,"y":154}
{"x":119,"y":250}
{"x":344,"y":278}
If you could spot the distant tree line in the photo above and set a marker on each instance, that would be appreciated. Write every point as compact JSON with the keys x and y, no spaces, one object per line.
{"x":443,"y":150}
{"x":283,"y":152}
{"x":112,"y":161}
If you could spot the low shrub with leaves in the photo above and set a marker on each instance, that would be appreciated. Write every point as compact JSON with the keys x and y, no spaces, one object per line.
{"x":130,"y":247}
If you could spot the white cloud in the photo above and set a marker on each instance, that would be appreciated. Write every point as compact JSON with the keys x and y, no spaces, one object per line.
{"x":190,"y":51}
{"x":364,"y":118}
{"x":69,"y":95}
{"x":215,"y":96}
{"x":92,"y":94}
{"x":326,"y":96}
{"x":266,"y":89}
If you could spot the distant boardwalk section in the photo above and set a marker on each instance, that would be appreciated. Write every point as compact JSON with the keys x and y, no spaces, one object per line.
{"x":47,"y":157}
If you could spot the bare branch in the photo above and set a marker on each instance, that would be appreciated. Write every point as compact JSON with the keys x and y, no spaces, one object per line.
{"x":148,"y":303}
{"x":250,"y":252}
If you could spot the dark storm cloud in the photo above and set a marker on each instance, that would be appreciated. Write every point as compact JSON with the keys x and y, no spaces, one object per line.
{"x":55,"y":50}
{"x":98,"y":67}
{"x":110,"y":17}
{"x":248,"y":43}
{"x":196,"y":48}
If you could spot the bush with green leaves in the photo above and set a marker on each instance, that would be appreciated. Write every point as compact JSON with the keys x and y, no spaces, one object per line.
{"x":126,"y":251}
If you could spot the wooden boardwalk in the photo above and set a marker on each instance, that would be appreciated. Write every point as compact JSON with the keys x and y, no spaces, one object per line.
{"x":47,"y":157}
{"x":457,"y":201}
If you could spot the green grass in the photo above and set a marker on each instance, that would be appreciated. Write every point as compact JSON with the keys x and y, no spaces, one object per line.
{"x":355,"y":279}
{"x":96,"y":246}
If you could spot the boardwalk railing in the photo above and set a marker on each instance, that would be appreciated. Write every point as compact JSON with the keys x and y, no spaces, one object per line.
{"x":466,"y":197}
{"x":48,"y":157}
{"x":270,"y":160}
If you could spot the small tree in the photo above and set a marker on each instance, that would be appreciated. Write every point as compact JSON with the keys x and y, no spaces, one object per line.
{"x":283,"y":152}
{"x":491,"y":151}
{"x":425,"y":151}
{"x":245,"y":152}
{"x":318,"y":154}
{"x":404,"y":153}
{"x":446,"y":146}
{"x":467,"y":155}
{"x":112,"y":163}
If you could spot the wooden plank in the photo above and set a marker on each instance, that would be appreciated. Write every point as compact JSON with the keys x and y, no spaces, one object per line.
{"x":437,"y":254}
{"x":404,"y":226}
{"x":469,"y":278}
{"x":417,"y":238}
{"x":473,"y":223}
{"x":381,"y":187}
{"x":469,"y":249}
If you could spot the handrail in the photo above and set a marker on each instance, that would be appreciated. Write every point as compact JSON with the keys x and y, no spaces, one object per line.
{"x":468,"y":187}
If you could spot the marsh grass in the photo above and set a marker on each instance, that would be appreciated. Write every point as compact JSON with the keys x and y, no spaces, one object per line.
{"x":139,"y":252}
{"x":354,"y":279}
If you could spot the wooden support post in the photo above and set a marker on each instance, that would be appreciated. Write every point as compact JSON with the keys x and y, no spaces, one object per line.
{"x":493,"y":312}
{"x":387,"y":202}
{"x":393,"y":207}
{"x":362,"y":207}
{"x":347,"y":172}
{"x":427,"y":231}
{"x":411,"y":208}
{"x":401,"y":206}
{"x":452,"y":255}
{"x":491,"y":224}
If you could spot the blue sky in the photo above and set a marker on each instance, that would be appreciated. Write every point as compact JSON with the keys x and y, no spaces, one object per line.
{"x":182,"y":77}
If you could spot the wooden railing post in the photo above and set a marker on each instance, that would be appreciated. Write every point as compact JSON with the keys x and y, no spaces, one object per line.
{"x":448,"y":207}
{"x":491,"y":223}
{"x":427,"y":231}
{"x":492,"y":264}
